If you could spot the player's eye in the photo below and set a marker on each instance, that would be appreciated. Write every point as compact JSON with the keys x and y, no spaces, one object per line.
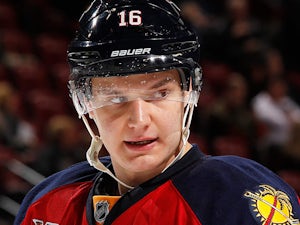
{"x":161,"y":94}
{"x":118,"y":99}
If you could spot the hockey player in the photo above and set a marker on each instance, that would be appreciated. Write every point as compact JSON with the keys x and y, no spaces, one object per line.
{"x":135,"y":73}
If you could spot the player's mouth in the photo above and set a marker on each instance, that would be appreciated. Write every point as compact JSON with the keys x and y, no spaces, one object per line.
{"x":141,"y":144}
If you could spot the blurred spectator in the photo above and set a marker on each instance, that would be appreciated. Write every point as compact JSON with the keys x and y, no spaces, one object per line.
{"x":265,"y":66}
{"x":14,"y":131}
{"x":207,"y":25}
{"x":291,"y":151}
{"x":230,"y":115}
{"x":274,"y":63}
{"x":244,"y":40}
{"x":193,"y":12}
{"x":277,"y":112}
{"x":63,"y":146}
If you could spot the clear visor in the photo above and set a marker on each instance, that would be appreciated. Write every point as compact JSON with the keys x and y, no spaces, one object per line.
{"x":116,"y":91}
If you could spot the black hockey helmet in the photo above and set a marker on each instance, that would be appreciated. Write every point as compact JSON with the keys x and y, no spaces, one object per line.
{"x":127,"y":37}
{"x":124,"y":37}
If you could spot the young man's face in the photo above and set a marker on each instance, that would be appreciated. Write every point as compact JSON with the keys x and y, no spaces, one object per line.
{"x":139,"y":120}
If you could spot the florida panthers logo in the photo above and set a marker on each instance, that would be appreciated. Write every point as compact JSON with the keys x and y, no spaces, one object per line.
{"x":271,"y":207}
{"x":101,"y":211}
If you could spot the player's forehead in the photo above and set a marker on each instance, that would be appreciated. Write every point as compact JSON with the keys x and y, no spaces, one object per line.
{"x":144,"y":80}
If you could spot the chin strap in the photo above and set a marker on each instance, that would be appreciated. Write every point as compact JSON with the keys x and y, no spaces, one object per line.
{"x":186,"y":123}
{"x":92,"y":154}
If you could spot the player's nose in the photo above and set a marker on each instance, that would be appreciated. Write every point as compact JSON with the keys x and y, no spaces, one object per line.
{"x":139,"y":113}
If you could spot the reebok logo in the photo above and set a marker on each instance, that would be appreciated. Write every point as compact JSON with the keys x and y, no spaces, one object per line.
{"x":126,"y":52}
{"x":40,"y":222}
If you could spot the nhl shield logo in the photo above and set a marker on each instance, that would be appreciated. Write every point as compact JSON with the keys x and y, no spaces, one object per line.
{"x":101,"y":211}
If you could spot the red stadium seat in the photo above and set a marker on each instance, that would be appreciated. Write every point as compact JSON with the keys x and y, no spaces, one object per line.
{"x":200,"y":141}
{"x":3,"y":73}
{"x":44,"y":104}
{"x":216,"y":74}
{"x":61,"y":73}
{"x":8,"y":17}
{"x":14,"y":40}
{"x":52,"y":49}
{"x":30,"y":75}
{"x":231,"y":145}
{"x":292,"y":177}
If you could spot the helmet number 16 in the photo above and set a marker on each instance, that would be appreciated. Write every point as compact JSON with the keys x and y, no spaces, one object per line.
{"x":134,"y":18}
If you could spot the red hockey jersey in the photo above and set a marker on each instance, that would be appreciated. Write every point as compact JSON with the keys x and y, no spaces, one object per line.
{"x":196,"y":190}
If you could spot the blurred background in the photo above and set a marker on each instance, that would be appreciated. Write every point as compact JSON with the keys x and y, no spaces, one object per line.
{"x":249,"y":105}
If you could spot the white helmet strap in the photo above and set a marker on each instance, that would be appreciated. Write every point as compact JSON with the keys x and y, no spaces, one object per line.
{"x":92,"y":154}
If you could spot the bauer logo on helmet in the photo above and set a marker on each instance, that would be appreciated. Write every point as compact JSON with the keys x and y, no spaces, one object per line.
{"x":125,"y":52}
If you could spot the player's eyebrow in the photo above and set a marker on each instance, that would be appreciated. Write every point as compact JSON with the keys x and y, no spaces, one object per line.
{"x":110,"y":91}
{"x":162,"y":82}
{"x":156,"y":84}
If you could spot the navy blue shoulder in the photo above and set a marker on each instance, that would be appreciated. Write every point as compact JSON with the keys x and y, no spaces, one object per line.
{"x":234,"y":171}
{"x":80,"y":172}
{"x":217,"y":186}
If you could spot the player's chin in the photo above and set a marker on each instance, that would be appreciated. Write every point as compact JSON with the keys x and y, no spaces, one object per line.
{"x":146,"y":163}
